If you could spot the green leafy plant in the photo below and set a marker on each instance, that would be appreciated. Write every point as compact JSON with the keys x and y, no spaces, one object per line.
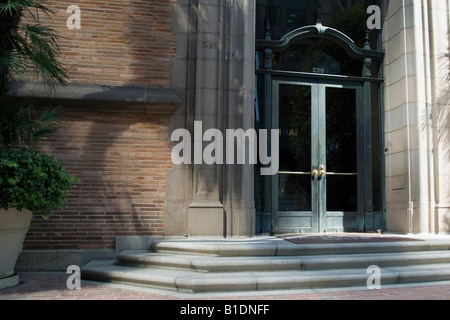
{"x":32,"y":181}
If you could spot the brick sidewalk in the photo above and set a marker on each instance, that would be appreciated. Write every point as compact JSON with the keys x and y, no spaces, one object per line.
{"x":52,"y":286}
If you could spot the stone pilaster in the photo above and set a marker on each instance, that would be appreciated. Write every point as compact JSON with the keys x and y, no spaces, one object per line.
{"x":213,"y":74}
{"x":415,"y":131}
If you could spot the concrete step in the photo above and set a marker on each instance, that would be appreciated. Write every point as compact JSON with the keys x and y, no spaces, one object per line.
{"x":142,"y":259}
{"x":278,"y":247}
{"x":211,"y":265}
{"x":192,"y":281}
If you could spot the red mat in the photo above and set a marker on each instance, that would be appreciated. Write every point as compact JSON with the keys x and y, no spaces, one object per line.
{"x":342,"y":238}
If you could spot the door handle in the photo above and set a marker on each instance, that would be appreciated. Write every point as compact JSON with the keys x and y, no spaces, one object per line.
{"x":318,"y":173}
{"x":322,"y":171}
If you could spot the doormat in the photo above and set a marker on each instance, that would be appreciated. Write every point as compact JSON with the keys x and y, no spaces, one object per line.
{"x":342,"y":238}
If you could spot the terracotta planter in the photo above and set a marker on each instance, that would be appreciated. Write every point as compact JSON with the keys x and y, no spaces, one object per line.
{"x":14,"y":225}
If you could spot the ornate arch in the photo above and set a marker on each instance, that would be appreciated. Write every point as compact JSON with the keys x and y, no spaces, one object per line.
{"x":321,"y":32}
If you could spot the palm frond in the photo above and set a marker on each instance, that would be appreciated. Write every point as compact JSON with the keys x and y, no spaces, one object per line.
{"x":16,"y":126}
{"x":51,"y":72}
{"x":27,"y":46}
{"x":30,"y":46}
{"x":48,"y":122}
{"x":23,"y":122}
{"x":17,"y":6}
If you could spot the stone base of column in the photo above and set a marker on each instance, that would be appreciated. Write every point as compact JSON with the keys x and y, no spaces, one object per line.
{"x":206,"y":219}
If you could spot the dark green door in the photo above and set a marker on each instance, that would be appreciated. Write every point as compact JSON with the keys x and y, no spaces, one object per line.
{"x":317,"y":186}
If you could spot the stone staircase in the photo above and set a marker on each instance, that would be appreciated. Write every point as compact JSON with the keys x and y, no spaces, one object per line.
{"x":270,"y":263}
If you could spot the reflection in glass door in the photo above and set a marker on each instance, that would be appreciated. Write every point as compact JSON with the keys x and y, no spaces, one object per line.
{"x":341,"y":149}
{"x":341,"y":172}
{"x":316,"y":188}
{"x":296,"y":203}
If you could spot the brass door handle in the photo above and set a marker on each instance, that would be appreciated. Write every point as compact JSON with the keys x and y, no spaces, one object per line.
{"x":322,"y":171}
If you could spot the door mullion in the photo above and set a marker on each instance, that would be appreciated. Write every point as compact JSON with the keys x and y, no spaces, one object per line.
{"x":321,"y":157}
{"x":274,"y":178}
{"x":315,"y":153}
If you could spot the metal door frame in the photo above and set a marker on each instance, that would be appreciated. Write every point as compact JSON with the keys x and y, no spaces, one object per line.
{"x":372,"y":220}
{"x":319,"y":213}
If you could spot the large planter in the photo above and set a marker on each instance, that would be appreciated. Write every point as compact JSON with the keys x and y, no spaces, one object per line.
{"x":14,"y":225}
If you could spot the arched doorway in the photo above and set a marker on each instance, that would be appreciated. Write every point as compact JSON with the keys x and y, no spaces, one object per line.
{"x":319,"y":89}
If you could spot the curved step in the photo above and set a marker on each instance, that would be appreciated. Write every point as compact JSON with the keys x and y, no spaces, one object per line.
{"x":278,"y":263}
{"x":191,"y":281}
{"x":278,"y":247}
{"x":208,"y":264}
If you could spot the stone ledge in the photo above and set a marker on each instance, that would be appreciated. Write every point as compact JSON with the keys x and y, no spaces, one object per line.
{"x":59,"y":260}
{"x":147,"y":100}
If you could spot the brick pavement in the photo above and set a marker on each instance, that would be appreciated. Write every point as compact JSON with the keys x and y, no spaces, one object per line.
{"x":52,"y":286}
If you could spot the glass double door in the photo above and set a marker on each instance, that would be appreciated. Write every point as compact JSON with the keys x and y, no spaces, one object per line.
{"x":317,"y":185}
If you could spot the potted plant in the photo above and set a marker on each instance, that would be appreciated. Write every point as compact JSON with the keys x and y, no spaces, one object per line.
{"x":30,"y":182}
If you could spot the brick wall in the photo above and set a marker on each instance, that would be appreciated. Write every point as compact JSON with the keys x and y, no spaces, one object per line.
{"x":121,"y":42}
{"x":121,"y":159}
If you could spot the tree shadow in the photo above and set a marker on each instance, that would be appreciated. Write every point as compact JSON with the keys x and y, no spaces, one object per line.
{"x":441,"y":139}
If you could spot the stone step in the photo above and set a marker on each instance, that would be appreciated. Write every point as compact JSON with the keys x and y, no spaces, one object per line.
{"x":192,"y":281}
{"x":211,"y":265}
{"x":136,"y":258}
{"x":278,"y":247}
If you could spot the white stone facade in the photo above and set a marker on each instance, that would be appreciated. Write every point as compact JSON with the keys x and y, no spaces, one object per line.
{"x":416,"y":72}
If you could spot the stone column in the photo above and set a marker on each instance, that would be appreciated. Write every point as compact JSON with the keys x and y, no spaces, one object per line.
{"x":206,"y":212}
{"x":213,"y":74}
{"x":239,"y":113}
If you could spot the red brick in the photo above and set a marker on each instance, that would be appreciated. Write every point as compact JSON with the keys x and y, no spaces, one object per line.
{"x":117,"y":194}
{"x":121,"y":159}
